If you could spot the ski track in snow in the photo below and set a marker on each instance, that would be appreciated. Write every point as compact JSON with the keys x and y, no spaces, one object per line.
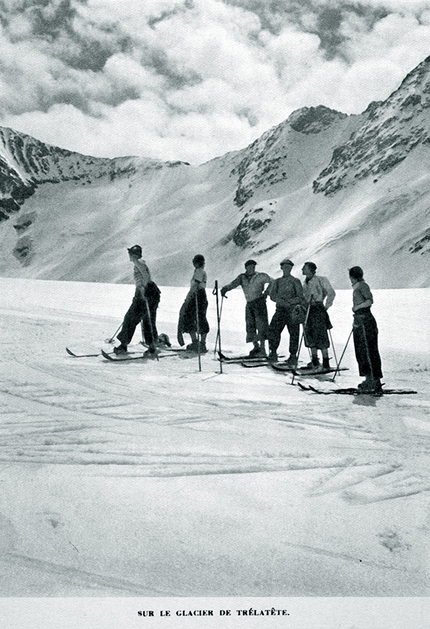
{"x":81,"y":578}
{"x":166,"y":419}
{"x":82,"y":409}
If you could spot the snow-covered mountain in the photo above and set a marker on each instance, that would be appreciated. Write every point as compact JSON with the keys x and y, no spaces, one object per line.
{"x":324,"y":186}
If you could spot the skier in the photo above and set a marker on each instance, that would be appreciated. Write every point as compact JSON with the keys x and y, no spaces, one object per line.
{"x":192,"y":316}
{"x":365,"y":333}
{"x":319,"y":295}
{"x":257,"y":322}
{"x":287,"y":293}
{"x":143,"y":307}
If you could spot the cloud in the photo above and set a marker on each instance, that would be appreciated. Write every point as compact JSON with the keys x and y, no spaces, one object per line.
{"x":192,"y":79}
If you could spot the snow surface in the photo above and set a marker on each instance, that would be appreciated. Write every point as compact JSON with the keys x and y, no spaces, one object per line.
{"x":162,"y":480}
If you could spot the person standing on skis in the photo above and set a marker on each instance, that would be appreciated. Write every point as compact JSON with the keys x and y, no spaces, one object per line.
{"x":256,"y":318}
{"x":192,"y":316}
{"x":143,"y":307}
{"x":319,"y":295}
{"x":287,"y":293}
{"x":365,"y":333}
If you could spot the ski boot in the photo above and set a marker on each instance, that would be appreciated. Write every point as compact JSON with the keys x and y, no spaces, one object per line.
{"x":121,"y":349}
{"x":292,"y":361}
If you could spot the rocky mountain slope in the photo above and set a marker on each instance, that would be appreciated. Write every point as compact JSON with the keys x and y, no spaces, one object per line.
{"x":324,"y":186}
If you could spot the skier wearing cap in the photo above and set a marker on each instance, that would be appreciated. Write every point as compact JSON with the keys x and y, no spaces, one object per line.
{"x":256,"y":318}
{"x":287,"y":293}
{"x":143,"y":307}
{"x":365,"y":333}
{"x":319,"y":295}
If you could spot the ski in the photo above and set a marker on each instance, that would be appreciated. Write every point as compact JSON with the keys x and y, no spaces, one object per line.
{"x":187,"y":354}
{"x":264,"y":362}
{"x":355,"y":391}
{"x":236,"y":359}
{"x":122,"y":358}
{"x":320,"y":372}
{"x":242,"y":359}
{"x":249,"y":364}
{"x":181,"y":350}
{"x":283,"y":367}
{"x":71,"y":353}
{"x":166,"y":348}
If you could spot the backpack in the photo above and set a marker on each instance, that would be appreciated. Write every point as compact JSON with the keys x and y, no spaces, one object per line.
{"x":298,"y":314}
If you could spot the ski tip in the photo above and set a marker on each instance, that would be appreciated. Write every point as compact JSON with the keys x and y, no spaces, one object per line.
{"x":113,"y":358}
{"x":302,"y":386}
{"x":69,"y":351}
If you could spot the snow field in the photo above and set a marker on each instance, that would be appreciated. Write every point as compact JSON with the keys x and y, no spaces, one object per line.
{"x":159,"y":480}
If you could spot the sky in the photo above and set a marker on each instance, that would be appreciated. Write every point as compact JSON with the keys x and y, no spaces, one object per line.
{"x":193,"y":79}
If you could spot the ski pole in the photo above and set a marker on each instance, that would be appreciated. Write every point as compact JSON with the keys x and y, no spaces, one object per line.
{"x":111,"y":340}
{"x":151,"y":327}
{"x":302,"y":337}
{"x":218,"y":336}
{"x":219,"y":333}
{"x":198,"y":332}
{"x":332,"y":344}
{"x":342,"y":355}
{"x":218,"y":313}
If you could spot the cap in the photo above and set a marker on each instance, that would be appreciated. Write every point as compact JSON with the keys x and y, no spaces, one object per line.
{"x":135,"y":250}
{"x":249,"y":262}
{"x":286,"y":261}
{"x":356,"y":272}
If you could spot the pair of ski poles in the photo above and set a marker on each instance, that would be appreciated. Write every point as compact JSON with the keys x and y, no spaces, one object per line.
{"x":366,"y":345}
{"x":301,"y":338}
{"x":218,"y":316}
{"x":148,"y":313}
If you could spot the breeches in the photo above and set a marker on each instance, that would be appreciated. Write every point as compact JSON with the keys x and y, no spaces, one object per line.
{"x":280,"y":319}
{"x":257,"y":322}
{"x":141,"y":310}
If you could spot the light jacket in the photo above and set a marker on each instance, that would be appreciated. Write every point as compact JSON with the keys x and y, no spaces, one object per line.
{"x":142,"y":276}
{"x":318,"y":289}
{"x":252,"y":285}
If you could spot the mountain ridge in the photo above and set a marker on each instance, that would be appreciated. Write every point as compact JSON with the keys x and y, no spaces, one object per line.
{"x":339,"y":189}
